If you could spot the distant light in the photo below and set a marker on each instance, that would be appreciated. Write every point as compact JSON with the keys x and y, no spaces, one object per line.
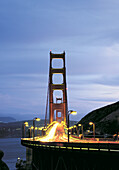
{"x":26,"y":123}
{"x":38,"y":119}
{"x":90,"y":123}
{"x":73,"y":113}
{"x":31,"y":127}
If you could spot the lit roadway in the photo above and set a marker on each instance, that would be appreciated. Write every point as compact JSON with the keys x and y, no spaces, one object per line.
{"x":56,"y":133}
{"x":55,"y":140}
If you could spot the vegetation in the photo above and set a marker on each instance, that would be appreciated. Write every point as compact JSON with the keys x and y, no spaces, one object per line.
{"x":106,"y":119}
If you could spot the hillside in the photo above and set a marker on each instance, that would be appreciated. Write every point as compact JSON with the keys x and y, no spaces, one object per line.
{"x":106,"y":119}
{"x":15,"y":129}
{"x":7,"y":119}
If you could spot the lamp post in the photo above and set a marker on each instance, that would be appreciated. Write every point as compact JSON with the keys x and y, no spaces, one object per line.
{"x":80,"y":125}
{"x":25,"y":125}
{"x":73,"y":113}
{"x":75,"y":129}
{"x":72,"y":130}
{"x":30,"y":131}
{"x":91,"y":123}
{"x":35,"y":119}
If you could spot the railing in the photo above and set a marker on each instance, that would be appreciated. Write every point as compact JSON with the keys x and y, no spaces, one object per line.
{"x":72,"y":146}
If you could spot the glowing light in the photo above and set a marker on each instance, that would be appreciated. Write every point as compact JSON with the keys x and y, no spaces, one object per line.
{"x":37,"y":119}
{"x":41,"y":128}
{"x":31,"y":127}
{"x":51,"y":134}
{"x":74,"y":113}
{"x":25,"y":123}
{"x":90,"y":123}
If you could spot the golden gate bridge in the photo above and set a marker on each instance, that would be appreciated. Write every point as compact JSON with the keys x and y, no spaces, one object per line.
{"x":57,"y":148}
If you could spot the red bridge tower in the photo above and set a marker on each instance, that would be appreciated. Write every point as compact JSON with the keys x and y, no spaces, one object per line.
{"x":57,"y":105}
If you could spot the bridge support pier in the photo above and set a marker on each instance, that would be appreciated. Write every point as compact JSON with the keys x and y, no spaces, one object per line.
{"x":58,"y":159}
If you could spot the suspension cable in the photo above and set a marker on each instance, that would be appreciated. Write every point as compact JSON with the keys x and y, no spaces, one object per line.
{"x":46,"y":105}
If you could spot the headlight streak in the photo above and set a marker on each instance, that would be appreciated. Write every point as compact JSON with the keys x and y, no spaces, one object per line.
{"x":50,"y":135}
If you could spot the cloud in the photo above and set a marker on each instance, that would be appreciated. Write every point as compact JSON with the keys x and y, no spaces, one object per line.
{"x":23,"y":95}
{"x":89,"y":92}
{"x":38,"y":21}
{"x":87,"y":31}
{"x":113,"y":52}
{"x":104,"y":79}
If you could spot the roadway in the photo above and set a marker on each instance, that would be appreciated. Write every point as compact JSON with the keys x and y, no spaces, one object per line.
{"x":55,"y":144}
{"x":56,"y":133}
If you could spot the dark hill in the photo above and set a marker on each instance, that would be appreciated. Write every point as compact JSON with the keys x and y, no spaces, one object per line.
{"x":15,"y":129}
{"x":106,"y":119}
{"x":7,"y":119}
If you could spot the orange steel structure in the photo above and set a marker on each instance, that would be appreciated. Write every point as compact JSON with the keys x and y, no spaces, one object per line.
{"x":57,"y":105}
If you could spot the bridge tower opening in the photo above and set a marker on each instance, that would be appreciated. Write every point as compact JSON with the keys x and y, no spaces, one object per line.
{"x":57,"y":88}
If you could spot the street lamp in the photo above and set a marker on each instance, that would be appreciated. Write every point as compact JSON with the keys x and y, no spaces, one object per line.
{"x":75,"y":129}
{"x":25,"y":125}
{"x":80,"y":125}
{"x":35,"y":119}
{"x":91,"y":123}
{"x":30,"y":131}
{"x":73,"y":113}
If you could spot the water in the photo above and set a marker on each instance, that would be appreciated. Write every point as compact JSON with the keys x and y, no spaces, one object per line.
{"x":12,"y":149}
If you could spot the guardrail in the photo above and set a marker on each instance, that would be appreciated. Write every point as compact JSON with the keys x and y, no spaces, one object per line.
{"x":72,"y":146}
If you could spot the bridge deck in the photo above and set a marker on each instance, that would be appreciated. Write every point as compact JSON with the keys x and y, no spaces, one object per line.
{"x":73,"y":156}
{"x":111,"y":147}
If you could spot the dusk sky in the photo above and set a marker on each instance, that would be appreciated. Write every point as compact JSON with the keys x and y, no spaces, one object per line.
{"x":87,"y":30}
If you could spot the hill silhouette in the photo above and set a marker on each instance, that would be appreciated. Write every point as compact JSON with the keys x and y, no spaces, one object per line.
{"x":7,"y":119}
{"x":106,"y":119}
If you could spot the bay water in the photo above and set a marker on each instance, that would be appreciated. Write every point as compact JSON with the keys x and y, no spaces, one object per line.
{"x":12,"y":149}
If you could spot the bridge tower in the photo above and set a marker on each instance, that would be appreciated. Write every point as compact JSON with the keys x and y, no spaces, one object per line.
{"x":57,"y":104}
